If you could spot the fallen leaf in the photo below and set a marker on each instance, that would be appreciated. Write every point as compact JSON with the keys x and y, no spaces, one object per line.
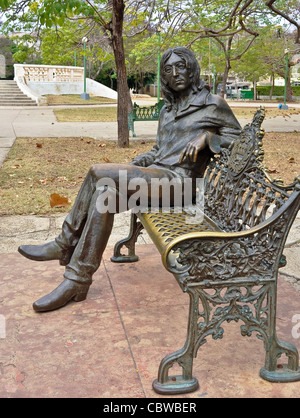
{"x":291,"y":160}
{"x":16,"y":166}
{"x":57,"y":201}
{"x":39,"y":145}
{"x":106,"y":159}
{"x":273,"y":170}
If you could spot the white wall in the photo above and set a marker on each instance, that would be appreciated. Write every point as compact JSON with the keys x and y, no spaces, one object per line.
{"x":41,"y":88}
{"x":38,"y":80}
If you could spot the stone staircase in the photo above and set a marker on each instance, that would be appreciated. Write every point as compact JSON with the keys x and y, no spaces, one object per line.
{"x":11,"y":95}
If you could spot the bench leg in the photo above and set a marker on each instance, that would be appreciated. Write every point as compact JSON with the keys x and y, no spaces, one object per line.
{"x":262,"y":321}
{"x":129,"y":242}
{"x":184,"y":383}
{"x":131,"y":125}
{"x":275,"y":348}
{"x":289,"y":372}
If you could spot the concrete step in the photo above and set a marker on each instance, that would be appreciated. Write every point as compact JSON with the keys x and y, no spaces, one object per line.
{"x":21,"y":99}
{"x":18,"y":100}
{"x":14,"y":95}
{"x":10,"y":88}
{"x":7,"y":82}
{"x":14,"y":104}
{"x":11,"y":95}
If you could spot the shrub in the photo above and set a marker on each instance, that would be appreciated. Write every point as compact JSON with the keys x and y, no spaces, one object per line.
{"x":278,"y":90}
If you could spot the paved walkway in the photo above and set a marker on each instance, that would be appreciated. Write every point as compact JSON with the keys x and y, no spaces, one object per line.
{"x":41,"y":122}
{"x":110,"y":345}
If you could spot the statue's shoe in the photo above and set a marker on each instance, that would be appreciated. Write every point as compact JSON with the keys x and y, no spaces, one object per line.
{"x":68,"y":290}
{"x":45,"y":252}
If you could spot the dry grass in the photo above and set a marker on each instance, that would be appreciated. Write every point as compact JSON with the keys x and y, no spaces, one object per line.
{"x":74,"y":99}
{"x":109,"y":114}
{"x":36,"y":168}
{"x":248,"y":112}
{"x":282,"y":155}
{"x":88,"y":114}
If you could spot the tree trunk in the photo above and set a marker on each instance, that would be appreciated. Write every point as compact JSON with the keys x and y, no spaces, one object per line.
{"x":272,"y":86}
{"x":289,"y":87}
{"x":225,"y":77}
{"x":122,"y":86}
{"x":288,"y":83}
{"x":254,"y":88}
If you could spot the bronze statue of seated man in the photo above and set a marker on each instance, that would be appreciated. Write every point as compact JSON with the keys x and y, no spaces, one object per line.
{"x":193,"y":125}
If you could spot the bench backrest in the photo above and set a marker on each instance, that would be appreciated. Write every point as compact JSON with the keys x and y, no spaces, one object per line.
{"x":239,"y":193}
{"x":140,"y":113}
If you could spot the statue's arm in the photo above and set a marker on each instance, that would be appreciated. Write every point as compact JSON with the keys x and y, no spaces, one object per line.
{"x":222,"y":138}
{"x":226,"y":130}
{"x":146,"y":159}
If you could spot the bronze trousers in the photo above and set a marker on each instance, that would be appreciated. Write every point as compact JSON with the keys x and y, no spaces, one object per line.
{"x":86,"y":230}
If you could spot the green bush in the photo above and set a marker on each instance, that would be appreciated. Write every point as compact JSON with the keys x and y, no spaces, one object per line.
{"x":278,"y":90}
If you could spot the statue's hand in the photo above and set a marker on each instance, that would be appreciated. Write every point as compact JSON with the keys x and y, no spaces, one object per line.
{"x":192,"y":149}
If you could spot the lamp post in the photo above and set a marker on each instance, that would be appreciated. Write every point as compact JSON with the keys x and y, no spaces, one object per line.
{"x":158,"y":29}
{"x":84,"y":95}
{"x":286,"y":51}
{"x":214,"y":79}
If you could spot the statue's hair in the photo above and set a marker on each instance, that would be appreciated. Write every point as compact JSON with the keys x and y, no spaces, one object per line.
{"x":192,"y":66}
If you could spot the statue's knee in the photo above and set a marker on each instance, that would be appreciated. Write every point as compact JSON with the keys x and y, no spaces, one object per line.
{"x":96,"y":171}
{"x":92,"y":169}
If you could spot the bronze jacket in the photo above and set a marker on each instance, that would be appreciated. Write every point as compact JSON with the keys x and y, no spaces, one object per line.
{"x":203,"y":112}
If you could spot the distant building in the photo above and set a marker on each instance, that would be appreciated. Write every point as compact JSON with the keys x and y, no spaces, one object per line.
{"x":295,"y":71}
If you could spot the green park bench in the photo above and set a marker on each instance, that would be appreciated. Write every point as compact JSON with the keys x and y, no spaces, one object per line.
{"x":228,"y":263}
{"x":143,"y":113}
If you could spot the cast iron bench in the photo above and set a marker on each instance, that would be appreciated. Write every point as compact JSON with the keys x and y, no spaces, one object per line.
{"x":143,"y":113}
{"x":229,"y":263}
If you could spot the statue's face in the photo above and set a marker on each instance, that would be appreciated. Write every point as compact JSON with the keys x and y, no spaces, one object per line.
{"x":176,"y":74}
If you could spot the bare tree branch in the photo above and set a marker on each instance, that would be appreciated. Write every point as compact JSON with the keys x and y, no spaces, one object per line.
{"x":105,"y":25}
{"x":146,"y":26}
{"x":270,"y":5}
{"x":237,"y":57}
{"x":209,"y":34}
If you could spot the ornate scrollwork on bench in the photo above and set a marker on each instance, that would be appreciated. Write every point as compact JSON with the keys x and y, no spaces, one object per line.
{"x":228,"y":264}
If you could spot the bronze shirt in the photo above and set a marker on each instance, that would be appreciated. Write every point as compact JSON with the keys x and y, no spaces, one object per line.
{"x":203,"y":112}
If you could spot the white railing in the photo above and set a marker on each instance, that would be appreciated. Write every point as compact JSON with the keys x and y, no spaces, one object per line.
{"x":48,"y":73}
{"x":36,"y":81}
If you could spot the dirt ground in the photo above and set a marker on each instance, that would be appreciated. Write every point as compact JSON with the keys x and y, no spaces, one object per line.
{"x":37,"y":168}
{"x":282,"y":155}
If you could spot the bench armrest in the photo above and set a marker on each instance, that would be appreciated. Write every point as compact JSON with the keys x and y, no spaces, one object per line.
{"x":270,"y":233}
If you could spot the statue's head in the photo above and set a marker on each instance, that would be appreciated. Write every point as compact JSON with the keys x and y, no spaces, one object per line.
{"x":183,"y":62}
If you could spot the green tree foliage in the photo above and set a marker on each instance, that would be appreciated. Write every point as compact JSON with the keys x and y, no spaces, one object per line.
{"x":109,"y":16}
{"x":233,"y":25}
